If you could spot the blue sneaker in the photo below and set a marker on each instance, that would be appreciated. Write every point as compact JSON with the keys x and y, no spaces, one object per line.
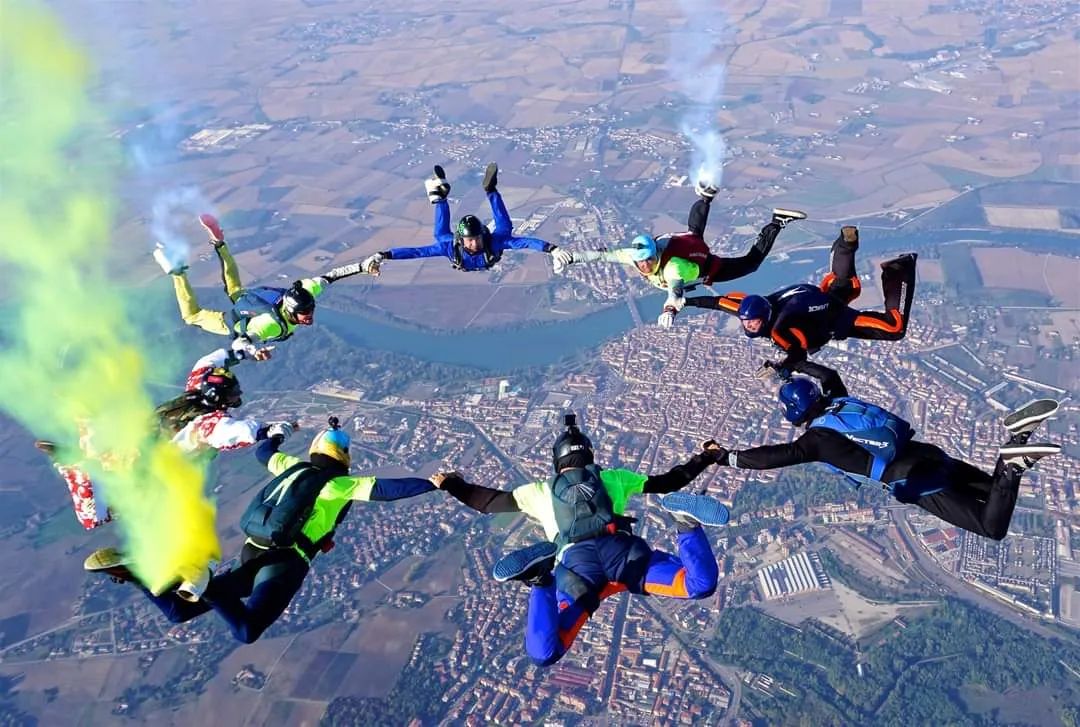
{"x":694,"y":510}
{"x":529,"y":564}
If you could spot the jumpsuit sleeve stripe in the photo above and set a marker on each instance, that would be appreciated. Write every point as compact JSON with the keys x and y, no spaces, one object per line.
{"x":801,"y":336}
{"x":729,"y":302}
{"x":780,"y":340}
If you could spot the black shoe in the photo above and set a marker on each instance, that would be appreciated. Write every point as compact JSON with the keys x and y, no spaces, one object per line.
{"x":491,"y":177}
{"x":1025,"y":420}
{"x":46,"y":446}
{"x":532,"y":565}
{"x":903,"y":265}
{"x":1025,"y":456}
{"x":783,"y":217}
{"x":849,"y":234}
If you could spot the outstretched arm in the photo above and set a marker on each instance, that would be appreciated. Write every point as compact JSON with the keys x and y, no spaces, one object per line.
{"x":804,"y":449}
{"x":680,"y":475}
{"x":832,"y":386}
{"x":527,"y":243}
{"x":268,"y":455}
{"x":435,"y":249}
{"x":479,"y":498}
{"x":385,"y":489}
{"x":727,"y":303}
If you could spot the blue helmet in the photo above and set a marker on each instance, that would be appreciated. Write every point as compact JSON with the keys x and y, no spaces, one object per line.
{"x":756,"y":307}
{"x":643,"y":248}
{"x":798,"y":397}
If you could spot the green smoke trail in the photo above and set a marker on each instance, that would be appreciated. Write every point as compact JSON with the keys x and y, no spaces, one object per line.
{"x":68,"y":349}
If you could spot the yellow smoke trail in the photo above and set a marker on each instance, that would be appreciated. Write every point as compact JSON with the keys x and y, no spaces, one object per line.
{"x":68,"y":351}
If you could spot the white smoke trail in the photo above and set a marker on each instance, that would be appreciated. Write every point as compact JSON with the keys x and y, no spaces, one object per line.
{"x":173,"y":213}
{"x":695,"y":62}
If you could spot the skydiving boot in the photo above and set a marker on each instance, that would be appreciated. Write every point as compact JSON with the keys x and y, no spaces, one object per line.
{"x":192,"y":591}
{"x":1025,"y":420}
{"x":532,"y":564}
{"x":692,"y":511}
{"x":436,"y":186}
{"x":44,"y":445}
{"x":785,"y":217}
{"x":213,"y":229}
{"x":903,"y":266}
{"x":110,"y":562}
{"x":1024,"y":456}
{"x":898,"y":283}
{"x":705,"y":189}
{"x":491,"y":178}
{"x":167,"y":265}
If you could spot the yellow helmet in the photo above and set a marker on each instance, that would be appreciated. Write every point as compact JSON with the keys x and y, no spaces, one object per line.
{"x":332,"y":442}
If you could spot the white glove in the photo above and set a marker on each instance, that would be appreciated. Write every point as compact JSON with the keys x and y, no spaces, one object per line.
{"x":560,"y":258}
{"x":279,"y":429}
{"x":371,"y":264}
{"x":243,"y":347}
{"x":667,"y":318}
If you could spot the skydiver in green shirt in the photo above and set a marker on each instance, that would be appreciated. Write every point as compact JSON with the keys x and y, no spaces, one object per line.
{"x":591,"y":551}
{"x":259,"y":314}
{"x":289,"y":522}
{"x":675,"y":261}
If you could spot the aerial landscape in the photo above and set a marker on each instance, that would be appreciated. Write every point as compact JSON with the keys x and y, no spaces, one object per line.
{"x":946,"y":128}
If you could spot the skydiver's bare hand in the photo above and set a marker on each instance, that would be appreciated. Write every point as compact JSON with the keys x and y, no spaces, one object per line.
{"x":714,"y":451}
{"x":439,"y":478}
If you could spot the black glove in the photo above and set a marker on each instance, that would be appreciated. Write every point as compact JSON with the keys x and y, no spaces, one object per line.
{"x":714,"y":452}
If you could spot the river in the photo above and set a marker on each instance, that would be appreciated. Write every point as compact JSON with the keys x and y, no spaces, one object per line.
{"x":499,"y":350}
{"x":503,"y":349}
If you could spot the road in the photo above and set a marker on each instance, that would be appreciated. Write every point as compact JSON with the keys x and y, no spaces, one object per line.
{"x":947,"y":584}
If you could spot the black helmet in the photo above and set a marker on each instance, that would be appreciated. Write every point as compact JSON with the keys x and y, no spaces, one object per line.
{"x":297,"y":300}
{"x":572,"y":448}
{"x":219,"y":389}
{"x":470,"y":226}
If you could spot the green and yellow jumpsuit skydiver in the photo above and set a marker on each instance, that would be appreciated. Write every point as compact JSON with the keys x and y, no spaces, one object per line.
{"x":259,"y":328}
{"x":253,"y":595}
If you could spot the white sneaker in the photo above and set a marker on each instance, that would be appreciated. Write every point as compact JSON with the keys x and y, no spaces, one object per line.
{"x":192,"y":591}
{"x":167,"y":265}
{"x":1026,"y":455}
{"x":705,"y":190}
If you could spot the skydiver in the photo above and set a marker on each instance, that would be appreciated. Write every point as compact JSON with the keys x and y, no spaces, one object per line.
{"x":800,"y":319}
{"x":198,"y":421}
{"x":259,"y":314}
{"x":289,"y":521}
{"x":471,"y":245}
{"x":675,"y":261}
{"x":868,"y":444}
{"x":591,"y":552}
